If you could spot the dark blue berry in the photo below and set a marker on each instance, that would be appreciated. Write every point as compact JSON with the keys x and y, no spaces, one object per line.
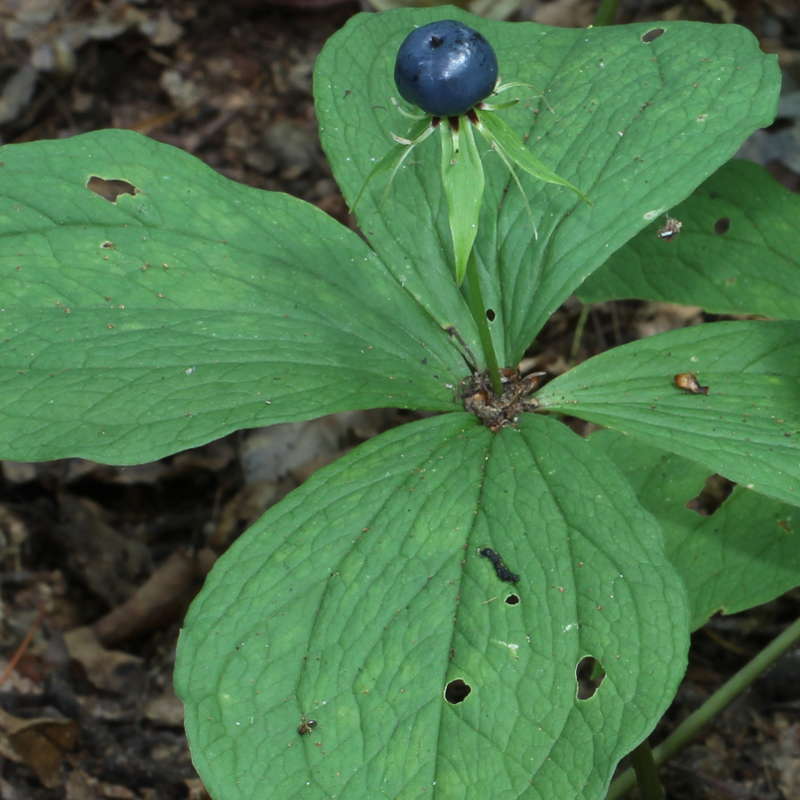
{"x":445,"y":68}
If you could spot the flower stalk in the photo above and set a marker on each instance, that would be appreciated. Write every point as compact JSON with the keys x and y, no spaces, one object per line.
{"x":478,"y":309}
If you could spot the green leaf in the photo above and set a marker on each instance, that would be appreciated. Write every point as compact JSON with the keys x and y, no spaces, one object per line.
{"x":748,"y":426}
{"x":738,"y":251}
{"x":744,"y":554}
{"x":637,"y":123}
{"x":197,"y":306}
{"x":462,"y":178}
{"x":361,"y":596}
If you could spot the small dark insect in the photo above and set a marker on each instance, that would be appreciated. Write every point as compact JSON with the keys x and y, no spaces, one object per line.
{"x":670,"y":229}
{"x":689,"y":383}
{"x":503,"y":572}
{"x":306,"y":726}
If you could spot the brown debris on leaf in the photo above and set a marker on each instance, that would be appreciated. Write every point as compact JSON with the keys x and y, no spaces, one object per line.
{"x":689,"y":383}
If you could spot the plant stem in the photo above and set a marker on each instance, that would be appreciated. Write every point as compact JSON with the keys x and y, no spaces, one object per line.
{"x":650,"y":787}
{"x":578,"y":335}
{"x":690,"y":727}
{"x":478,"y":309}
{"x":606,"y":13}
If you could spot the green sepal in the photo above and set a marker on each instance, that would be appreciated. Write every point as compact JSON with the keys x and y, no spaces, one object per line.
{"x":463,"y":182}
{"x":505,"y":141}
{"x":504,"y":87}
{"x":394,"y":159}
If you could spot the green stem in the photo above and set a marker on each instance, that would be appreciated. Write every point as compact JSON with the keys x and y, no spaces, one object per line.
{"x":478,"y":309}
{"x":690,"y":727}
{"x":578,"y":335}
{"x":606,"y":13}
{"x":650,"y":787}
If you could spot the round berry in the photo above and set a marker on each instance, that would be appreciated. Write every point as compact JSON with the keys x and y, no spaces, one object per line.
{"x":445,"y":68}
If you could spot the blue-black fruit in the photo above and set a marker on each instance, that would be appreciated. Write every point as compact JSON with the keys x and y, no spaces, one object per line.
{"x":445,"y":68}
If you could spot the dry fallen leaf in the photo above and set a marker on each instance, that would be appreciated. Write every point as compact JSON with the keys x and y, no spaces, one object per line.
{"x":41,"y":743}
{"x":109,"y":670}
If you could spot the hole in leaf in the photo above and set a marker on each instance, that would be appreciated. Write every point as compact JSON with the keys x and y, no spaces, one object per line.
{"x":722,"y":225}
{"x":653,"y":33}
{"x":490,"y":315}
{"x":589,"y":674}
{"x":512,"y":599}
{"x":714,"y":493}
{"x":456,"y":691}
{"x":110,"y":190}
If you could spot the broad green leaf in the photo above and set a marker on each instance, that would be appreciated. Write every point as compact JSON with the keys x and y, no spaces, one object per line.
{"x":361,"y":596}
{"x":738,"y":251}
{"x":748,"y":426}
{"x":197,"y":306}
{"x":746,"y":553}
{"x":462,"y":178}
{"x":635,"y":122}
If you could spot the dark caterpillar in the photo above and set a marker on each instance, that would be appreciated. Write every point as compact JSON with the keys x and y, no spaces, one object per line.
{"x":502,"y":571}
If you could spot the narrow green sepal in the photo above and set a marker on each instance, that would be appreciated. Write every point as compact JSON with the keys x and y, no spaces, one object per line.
{"x":504,"y":87}
{"x":394,"y":159}
{"x":498,"y":106}
{"x":505,"y":140}
{"x":463,"y":181}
